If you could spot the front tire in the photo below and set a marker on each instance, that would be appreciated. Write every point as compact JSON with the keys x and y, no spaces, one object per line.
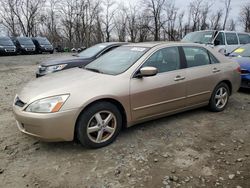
{"x":219,"y":98}
{"x":99,"y":125}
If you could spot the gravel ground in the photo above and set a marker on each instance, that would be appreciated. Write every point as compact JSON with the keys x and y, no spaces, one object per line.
{"x":192,"y":149}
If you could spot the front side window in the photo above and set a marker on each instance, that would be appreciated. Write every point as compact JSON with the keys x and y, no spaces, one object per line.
{"x":231,"y":38}
{"x":166,"y":59}
{"x":196,"y":56}
{"x":220,"y":39}
{"x":244,"y":38}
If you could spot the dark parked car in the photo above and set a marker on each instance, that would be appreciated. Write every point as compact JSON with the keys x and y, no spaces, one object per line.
{"x":7,"y":46}
{"x":42,"y":45}
{"x":242,"y":56}
{"x":79,"y":60}
{"x":24,"y":45}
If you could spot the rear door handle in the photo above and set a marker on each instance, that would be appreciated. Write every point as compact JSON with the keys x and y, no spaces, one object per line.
{"x":178,"y":78}
{"x":216,"y":70}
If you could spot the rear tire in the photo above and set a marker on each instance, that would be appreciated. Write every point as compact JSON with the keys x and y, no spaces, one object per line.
{"x":99,"y":125}
{"x":219,"y":98}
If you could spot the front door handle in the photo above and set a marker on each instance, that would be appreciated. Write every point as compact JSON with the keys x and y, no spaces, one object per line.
{"x":178,"y":78}
{"x":216,"y":70}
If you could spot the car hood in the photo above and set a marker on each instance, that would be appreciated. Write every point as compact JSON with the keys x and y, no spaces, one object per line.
{"x":63,"y":60}
{"x":70,"y":81}
{"x":243,"y":61}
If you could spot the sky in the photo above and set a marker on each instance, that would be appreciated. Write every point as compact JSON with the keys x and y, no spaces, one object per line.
{"x":217,"y":4}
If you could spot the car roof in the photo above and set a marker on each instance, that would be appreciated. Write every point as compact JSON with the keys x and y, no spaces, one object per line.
{"x":162,"y":43}
{"x":113,"y":43}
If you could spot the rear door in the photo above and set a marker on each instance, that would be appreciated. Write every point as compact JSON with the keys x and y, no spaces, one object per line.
{"x":202,"y":74}
{"x":163,"y":93}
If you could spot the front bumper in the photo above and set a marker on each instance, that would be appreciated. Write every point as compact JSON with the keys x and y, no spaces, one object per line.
{"x":51,"y":127}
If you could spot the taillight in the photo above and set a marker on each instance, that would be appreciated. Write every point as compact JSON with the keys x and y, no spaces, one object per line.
{"x":238,"y":69}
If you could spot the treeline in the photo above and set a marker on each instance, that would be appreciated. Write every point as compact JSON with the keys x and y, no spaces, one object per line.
{"x":86,"y":22}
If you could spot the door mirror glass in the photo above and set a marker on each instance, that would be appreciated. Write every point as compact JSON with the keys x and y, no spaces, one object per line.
{"x":148,"y":71}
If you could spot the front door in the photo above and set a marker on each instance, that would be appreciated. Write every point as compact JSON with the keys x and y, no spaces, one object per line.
{"x":163,"y":93}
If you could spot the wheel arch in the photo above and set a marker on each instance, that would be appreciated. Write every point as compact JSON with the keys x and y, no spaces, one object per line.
{"x":113,"y":101}
{"x":229,"y":84}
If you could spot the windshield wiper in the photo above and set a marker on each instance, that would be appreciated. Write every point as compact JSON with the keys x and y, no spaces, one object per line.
{"x":93,"y":69}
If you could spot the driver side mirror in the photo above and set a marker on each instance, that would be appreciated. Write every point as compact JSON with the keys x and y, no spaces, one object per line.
{"x":146,"y":72}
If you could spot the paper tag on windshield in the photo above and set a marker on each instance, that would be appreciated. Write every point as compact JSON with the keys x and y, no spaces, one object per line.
{"x":138,"y":49}
{"x":208,"y":36}
{"x":239,"y":50}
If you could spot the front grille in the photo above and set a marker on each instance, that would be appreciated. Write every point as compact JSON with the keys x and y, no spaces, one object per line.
{"x":19,"y":102}
{"x":29,"y":49}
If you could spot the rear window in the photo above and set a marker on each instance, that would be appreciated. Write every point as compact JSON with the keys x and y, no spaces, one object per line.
{"x":244,"y":38}
{"x":231,"y":38}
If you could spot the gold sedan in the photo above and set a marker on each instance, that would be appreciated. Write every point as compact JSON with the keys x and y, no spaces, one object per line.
{"x":129,"y":85}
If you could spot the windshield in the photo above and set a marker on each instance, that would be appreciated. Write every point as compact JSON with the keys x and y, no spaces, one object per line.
{"x":117,"y":60}
{"x":6,"y":42}
{"x":243,"y":51}
{"x":25,"y":41}
{"x":92,"y":51}
{"x":202,"y":37}
{"x":43,"y":41}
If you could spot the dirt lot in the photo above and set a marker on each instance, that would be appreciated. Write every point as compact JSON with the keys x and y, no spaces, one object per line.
{"x":192,"y":149}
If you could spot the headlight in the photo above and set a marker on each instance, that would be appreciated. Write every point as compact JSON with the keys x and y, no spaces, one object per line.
{"x":55,"y":68}
{"x":1,"y":46}
{"x":47,"y":105}
{"x":22,"y":46}
{"x":42,"y":46}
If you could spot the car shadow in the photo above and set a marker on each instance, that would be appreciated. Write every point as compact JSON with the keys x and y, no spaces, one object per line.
{"x":126,"y":133}
{"x":244,"y":90}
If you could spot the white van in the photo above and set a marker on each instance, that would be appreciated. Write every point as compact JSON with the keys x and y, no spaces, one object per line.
{"x":224,"y":41}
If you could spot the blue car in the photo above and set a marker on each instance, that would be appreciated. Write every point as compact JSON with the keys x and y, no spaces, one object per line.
{"x":242,"y":56}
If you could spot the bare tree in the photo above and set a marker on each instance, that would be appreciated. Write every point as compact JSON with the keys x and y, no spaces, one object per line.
{"x":8,"y":16}
{"x":27,"y":14}
{"x":195,"y":12}
{"x":121,"y":23}
{"x":231,"y":25}
{"x":49,"y":21}
{"x":155,"y":8}
{"x":132,"y":19}
{"x":108,"y":20}
{"x":245,"y":17}
{"x":215,"y":20}
{"x":143,"y":26}
{"x":227,"y":8}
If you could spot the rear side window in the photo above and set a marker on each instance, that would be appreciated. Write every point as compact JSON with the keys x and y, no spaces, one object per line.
{"x":244,"y":38}
{"x":231,"y":38}
{"x":166,"y":59}
{"x":196,"y":56}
